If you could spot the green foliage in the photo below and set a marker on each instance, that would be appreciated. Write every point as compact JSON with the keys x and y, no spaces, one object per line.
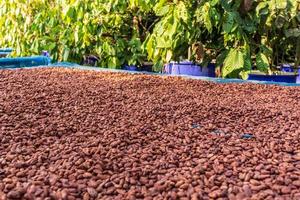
{"x":265,"y":35}
{"x":71,"y":29}
{"x":171,"y":35}
{"x":262,"y":62}
{"x":235,"y":34}
{"x":234,"y":62}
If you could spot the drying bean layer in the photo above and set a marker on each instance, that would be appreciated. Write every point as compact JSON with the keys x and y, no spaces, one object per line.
{"x":72,"y":134}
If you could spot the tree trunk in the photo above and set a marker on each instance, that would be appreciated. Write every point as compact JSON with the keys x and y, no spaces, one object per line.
{"x":297,"y":61}
{"x":246,"y":6}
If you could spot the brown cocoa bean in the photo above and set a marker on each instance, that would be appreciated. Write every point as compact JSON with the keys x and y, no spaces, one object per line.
{"x":87,"y":175}
{"x":215,"y":194}
{"x":13,"y":194}
{"x":296,"y":183}
{"x":86,"y":196}
{"x":247,"y":190}
{"x":92,"y":192}
{"x":286,"y":190}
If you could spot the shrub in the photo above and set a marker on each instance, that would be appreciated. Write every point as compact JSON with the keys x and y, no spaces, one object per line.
{"x":237,"y":35}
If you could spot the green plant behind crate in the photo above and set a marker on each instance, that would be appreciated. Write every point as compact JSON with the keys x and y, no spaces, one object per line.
{"x":70,"y":29}
{"x":234,"y":33}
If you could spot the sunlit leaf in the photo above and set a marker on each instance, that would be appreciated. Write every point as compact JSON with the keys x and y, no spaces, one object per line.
{"x":262,"y":62}
{"x":233,"y":63}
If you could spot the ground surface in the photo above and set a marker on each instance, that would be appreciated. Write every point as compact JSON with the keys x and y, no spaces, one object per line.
{"x":67,"y":134}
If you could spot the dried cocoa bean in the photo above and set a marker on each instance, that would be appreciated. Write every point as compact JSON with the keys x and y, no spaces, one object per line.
{"x":13,"y":194}
{"x":92,"y":192}
{"x":99,"y":135}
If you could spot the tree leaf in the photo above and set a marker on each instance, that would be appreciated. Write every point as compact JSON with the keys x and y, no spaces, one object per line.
{"x":280,"y":21}
{"x":221,"y":57}
{"x":244,"y":74}
{"x":206,"y":17}
{"x":294,"y":32}
{"x":262,"y":62}
{"x":214,"y":2}
{"x":247,"y":60}
{"x":149,"y":47}
{"x":229,"y":22}
{"x":233,"y":63}
{"x":169,"y":56}
{"x":66,"y":54}
{"x":163,"y":10}
{"x":182,"y":11}
{"x":281,"y":4}
{"x":262,"y":9}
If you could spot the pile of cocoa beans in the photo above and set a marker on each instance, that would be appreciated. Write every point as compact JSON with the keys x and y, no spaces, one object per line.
{"x":73,"y":134}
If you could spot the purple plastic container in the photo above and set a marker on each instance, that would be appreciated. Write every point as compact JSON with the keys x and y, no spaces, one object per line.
{"x":45,"y":53}
{"x":189,"y":68}
{"x":211,"y":70}
{"x":289,"y":68}
{"x":131,"y":68}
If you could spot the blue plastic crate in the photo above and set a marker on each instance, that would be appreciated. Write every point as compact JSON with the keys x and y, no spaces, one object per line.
{"x":5,"y":52}
{"x":24,"y":62}
{"x":288,"y":78}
